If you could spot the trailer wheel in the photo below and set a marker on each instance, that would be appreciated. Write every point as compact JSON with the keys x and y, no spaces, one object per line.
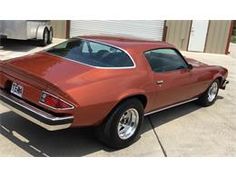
{"x":45,"y":39}
{"x":50,"y":35}
{"x":3,"y":40}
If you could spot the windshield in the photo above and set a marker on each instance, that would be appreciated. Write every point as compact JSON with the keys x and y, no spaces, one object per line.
{"x":92,"y":53}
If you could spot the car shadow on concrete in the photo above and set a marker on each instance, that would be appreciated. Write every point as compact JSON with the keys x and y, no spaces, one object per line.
{"x":168,"y":115}
{"x":39,"y":142}
{"x":171,"y":114}
{"x":71,"y":142}
{"x":19,"y":45}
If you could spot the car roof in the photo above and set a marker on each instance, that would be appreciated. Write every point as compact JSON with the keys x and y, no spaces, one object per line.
{"x":127,"y":42}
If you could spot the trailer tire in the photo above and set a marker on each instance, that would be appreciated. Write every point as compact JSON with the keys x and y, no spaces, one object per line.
{"x":3,"y":40}
{"x":50,"y":37}
{"x":45,"y":39}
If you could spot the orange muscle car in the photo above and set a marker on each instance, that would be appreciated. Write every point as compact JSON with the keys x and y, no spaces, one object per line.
{"x":110,"y":83}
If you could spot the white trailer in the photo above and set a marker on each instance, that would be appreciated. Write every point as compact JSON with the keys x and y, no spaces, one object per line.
{"x":39,"y":30}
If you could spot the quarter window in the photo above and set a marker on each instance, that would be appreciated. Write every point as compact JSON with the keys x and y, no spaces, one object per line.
{"x":163,"y":60}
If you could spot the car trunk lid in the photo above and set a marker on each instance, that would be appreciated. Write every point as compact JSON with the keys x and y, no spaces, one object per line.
{"x":43,"y":67}
{"x":44,"y":71}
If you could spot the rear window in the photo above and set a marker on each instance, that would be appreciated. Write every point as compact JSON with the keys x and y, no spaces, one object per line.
{"x":92,"y":53}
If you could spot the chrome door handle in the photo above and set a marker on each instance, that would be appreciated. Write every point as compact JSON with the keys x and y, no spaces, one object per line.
{"x":160,"y":82}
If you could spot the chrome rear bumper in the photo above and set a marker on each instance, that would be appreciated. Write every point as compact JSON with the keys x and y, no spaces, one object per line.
{"x":34,"y":114}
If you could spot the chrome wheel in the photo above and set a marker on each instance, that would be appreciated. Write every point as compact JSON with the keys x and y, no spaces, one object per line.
{"x":212,"y":92}
{"x":128,"y":123}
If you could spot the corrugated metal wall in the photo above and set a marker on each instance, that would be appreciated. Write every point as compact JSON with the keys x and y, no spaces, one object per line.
{"x":59,"y":28}
{"x":178,"y":33}
{"x":217,"y":37}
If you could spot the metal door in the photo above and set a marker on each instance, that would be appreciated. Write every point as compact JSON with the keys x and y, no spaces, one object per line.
{"x":198,"y":35}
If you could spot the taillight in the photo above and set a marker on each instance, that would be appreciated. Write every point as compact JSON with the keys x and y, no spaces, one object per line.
{"x":54,"y":102}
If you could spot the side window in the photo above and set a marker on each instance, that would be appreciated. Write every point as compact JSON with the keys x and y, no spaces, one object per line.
{"x":162,"y":60}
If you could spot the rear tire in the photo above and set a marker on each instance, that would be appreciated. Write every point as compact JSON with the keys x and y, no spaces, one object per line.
{"x":209,"y":96}
{"x":123,"y":125}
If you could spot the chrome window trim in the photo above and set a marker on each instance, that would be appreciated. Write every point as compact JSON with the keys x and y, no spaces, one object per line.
{"x":99,"y":67}
{"x":171,"y":106}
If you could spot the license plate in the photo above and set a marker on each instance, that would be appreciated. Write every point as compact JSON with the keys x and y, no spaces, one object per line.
{"x":17,"y":89}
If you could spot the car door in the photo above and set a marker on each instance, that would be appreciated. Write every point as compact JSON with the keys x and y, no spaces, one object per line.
{"x":173,"y":79}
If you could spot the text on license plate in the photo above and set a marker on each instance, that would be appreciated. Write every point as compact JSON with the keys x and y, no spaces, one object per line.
{"x":17,"y":89}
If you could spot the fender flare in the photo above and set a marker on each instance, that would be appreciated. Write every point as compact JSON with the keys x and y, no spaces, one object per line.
{"x":132,"y":93}
{"x":218,"y":76}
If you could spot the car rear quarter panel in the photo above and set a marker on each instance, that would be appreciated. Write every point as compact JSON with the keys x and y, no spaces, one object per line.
{"x":97,"y":98}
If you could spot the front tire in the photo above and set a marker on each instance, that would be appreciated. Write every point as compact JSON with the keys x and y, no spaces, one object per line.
{"x":123,"y":125}
{"x":209,"y":96}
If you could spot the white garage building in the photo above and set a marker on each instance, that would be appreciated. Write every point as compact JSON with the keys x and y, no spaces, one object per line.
{"x":152,"y":30}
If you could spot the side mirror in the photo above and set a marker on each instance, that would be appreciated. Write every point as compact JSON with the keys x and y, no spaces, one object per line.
{"x":190,"y":66}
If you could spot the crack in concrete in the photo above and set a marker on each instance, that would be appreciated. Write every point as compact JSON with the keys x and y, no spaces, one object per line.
{"x":158,"y":139}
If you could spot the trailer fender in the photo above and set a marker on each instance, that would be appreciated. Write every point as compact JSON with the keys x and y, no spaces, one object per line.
{"x":40,"y":30}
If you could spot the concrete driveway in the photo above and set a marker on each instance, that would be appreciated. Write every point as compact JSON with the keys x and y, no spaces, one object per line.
{"x":186,"y":130}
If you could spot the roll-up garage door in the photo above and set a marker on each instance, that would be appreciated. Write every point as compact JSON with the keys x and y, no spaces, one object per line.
{"x":148,"y":29}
